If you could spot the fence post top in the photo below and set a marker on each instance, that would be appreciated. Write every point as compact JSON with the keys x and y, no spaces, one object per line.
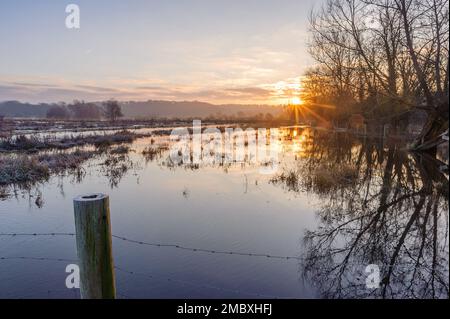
{"x":90,"y":197}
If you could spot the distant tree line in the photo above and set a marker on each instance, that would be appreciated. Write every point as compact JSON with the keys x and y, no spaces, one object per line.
{"x":381,"y":58}
{"x":80,"y":110}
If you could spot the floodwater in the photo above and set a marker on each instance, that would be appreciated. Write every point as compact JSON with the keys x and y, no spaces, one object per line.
{"x":335,"y":205}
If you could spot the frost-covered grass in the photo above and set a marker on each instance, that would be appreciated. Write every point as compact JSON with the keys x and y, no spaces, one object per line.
{"x":22,"y":169}
{"x":31,"y":143}
{"x":26,"y":159}
{"x":29,"y":169}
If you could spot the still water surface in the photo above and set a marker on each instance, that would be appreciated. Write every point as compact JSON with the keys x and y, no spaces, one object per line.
{"x":336,"y":204}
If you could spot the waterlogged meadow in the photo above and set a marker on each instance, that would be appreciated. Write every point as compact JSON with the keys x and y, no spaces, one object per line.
{"x":334,"y":205}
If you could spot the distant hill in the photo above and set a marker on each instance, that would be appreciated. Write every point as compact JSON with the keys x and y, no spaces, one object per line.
{"x":18,"y":109}
{"x":150,"y":108}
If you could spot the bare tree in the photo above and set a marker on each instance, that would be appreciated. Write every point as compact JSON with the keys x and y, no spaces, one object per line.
{"x":84,"y":111}
{"x":385,"y":57}
{"x":112,"y":110}
{"x":425,"y":25}
{"x":58,"y":112}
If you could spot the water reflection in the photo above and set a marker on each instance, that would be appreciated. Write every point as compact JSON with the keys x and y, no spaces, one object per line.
{"x":382,"y":206}
{"x":375,"y":204}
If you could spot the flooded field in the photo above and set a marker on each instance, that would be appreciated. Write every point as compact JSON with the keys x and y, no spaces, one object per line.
{"x":335,"y":205}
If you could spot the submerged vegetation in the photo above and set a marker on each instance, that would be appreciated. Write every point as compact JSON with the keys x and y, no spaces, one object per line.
{"x":115,"y":168}
{"x":33,"y":144}
{"x":321,"y":179}
{"x":375,"y":204}
{"x":324,"y":179}
{"x":153,"y":152}
{"x":122,"y":149}
{"x":24,"y":170}
{"x":27,"y":160}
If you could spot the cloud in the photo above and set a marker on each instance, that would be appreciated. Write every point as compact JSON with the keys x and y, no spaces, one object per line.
{"x":100,"y":89}
{"x":272,"y":93}
{"x":27,"y":84}
{"x":250,"y":91}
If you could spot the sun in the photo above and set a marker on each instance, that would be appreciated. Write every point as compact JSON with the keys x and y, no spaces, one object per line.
{"x":296,"y":101}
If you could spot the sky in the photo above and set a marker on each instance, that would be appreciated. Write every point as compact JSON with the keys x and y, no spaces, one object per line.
{"x":217,"y":51}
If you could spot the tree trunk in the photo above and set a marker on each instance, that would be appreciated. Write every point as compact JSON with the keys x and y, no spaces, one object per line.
{"x":436,"y":125}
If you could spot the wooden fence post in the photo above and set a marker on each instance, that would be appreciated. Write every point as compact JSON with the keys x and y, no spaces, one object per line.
{"x":94,"y":246}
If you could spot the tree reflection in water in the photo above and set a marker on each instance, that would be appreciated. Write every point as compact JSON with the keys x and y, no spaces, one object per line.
{"x":380,"y":205}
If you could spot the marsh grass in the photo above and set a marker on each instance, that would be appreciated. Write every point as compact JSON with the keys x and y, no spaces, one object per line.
{"x":114,"y":167}
{"x":33,"y":144}
{"x":122,"y":149}
{"x":4,"y":193}
{"x":36,"y":165}
{"x":29,"y":169}
{"x":22,"y":169}
{"x":154,"y":152}
{"x":290,"y":179}
{"x":320,"y":179}
{"x":325,"y":180}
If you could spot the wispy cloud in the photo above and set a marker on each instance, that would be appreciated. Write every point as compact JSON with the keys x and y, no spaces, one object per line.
{"x":45,"y":92}
{"x":247,"y":52}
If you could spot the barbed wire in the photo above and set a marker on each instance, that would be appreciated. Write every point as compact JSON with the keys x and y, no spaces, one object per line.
{"x":53,"y":293}
{"x":163,"y":245}
{"x":210,"y":251}
{"x":357,"y":264}
{"x":153,"y":277}
{"x":201,"y":250}
{"x":38,"y":258}
{"x":198,"y":285}
{"x":35,"y":234}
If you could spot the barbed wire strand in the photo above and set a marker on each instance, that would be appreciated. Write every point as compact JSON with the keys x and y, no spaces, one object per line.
{"x":163,"y":245}
{"x":153,"y":277}
{"x":38,"y":258}
{"x":198,"y":285}
{"x":196,"y":249}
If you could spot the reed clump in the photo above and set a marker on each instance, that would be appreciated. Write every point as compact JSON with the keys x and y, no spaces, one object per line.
{"x":327,"y":179}
{"x":33,"y":144}
{"x":153,"y":152}
{"x":22,"y":169}
{"x":29,"y":169}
